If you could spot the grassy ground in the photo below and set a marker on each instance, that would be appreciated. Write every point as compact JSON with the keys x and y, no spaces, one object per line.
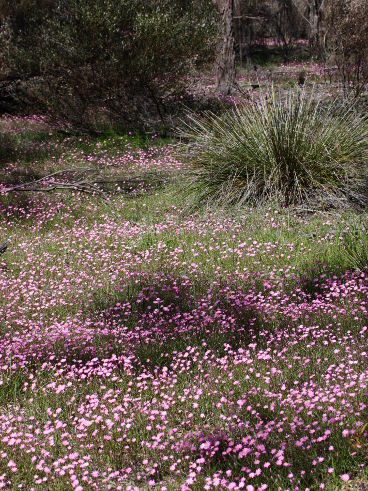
{"x":146,"y":346}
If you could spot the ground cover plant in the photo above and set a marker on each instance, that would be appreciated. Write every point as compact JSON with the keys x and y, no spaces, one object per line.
{"x":146,"y":347}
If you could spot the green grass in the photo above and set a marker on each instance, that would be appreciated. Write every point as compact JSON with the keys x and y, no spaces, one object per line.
{"x":315,"y":236}
{"x":354,"y":243}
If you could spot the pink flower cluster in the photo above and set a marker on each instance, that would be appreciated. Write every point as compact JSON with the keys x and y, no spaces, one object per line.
{"x":172,"y":352}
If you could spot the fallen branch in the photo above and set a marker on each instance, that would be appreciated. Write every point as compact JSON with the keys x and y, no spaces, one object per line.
{"x":78,"y":182}
{"x":85,"y":180}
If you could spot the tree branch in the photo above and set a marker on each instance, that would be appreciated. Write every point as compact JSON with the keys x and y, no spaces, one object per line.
{"x":85,"y":183}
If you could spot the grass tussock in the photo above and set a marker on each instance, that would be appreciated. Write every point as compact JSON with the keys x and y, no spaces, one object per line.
{"x":293,"y":149}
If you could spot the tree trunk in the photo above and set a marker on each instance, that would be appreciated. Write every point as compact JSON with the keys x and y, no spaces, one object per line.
{"x":239,"y":17}
{"x":315,"y":18}
{"x":225,"y":70}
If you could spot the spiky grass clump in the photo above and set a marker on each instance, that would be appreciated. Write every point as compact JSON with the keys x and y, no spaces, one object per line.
{"x":292,"y":149}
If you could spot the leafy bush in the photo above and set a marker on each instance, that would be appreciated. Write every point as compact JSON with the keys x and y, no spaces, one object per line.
{"x":292,"y":149}
{"x":100,"y":62}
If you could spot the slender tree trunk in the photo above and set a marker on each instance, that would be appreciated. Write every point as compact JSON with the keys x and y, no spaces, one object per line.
{"x":225,"y":69}
{"x":239,"y":17}
{"x":315,"y":19}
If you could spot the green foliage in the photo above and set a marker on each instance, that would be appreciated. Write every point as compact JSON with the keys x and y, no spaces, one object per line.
{"x":100,"y":62}
{"x":291,"y":149}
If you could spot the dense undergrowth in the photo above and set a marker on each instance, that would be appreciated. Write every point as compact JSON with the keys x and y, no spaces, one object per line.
{"x":143,"y":346}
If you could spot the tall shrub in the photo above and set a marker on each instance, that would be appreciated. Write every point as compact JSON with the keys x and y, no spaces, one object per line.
{"x":120,"y":58}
